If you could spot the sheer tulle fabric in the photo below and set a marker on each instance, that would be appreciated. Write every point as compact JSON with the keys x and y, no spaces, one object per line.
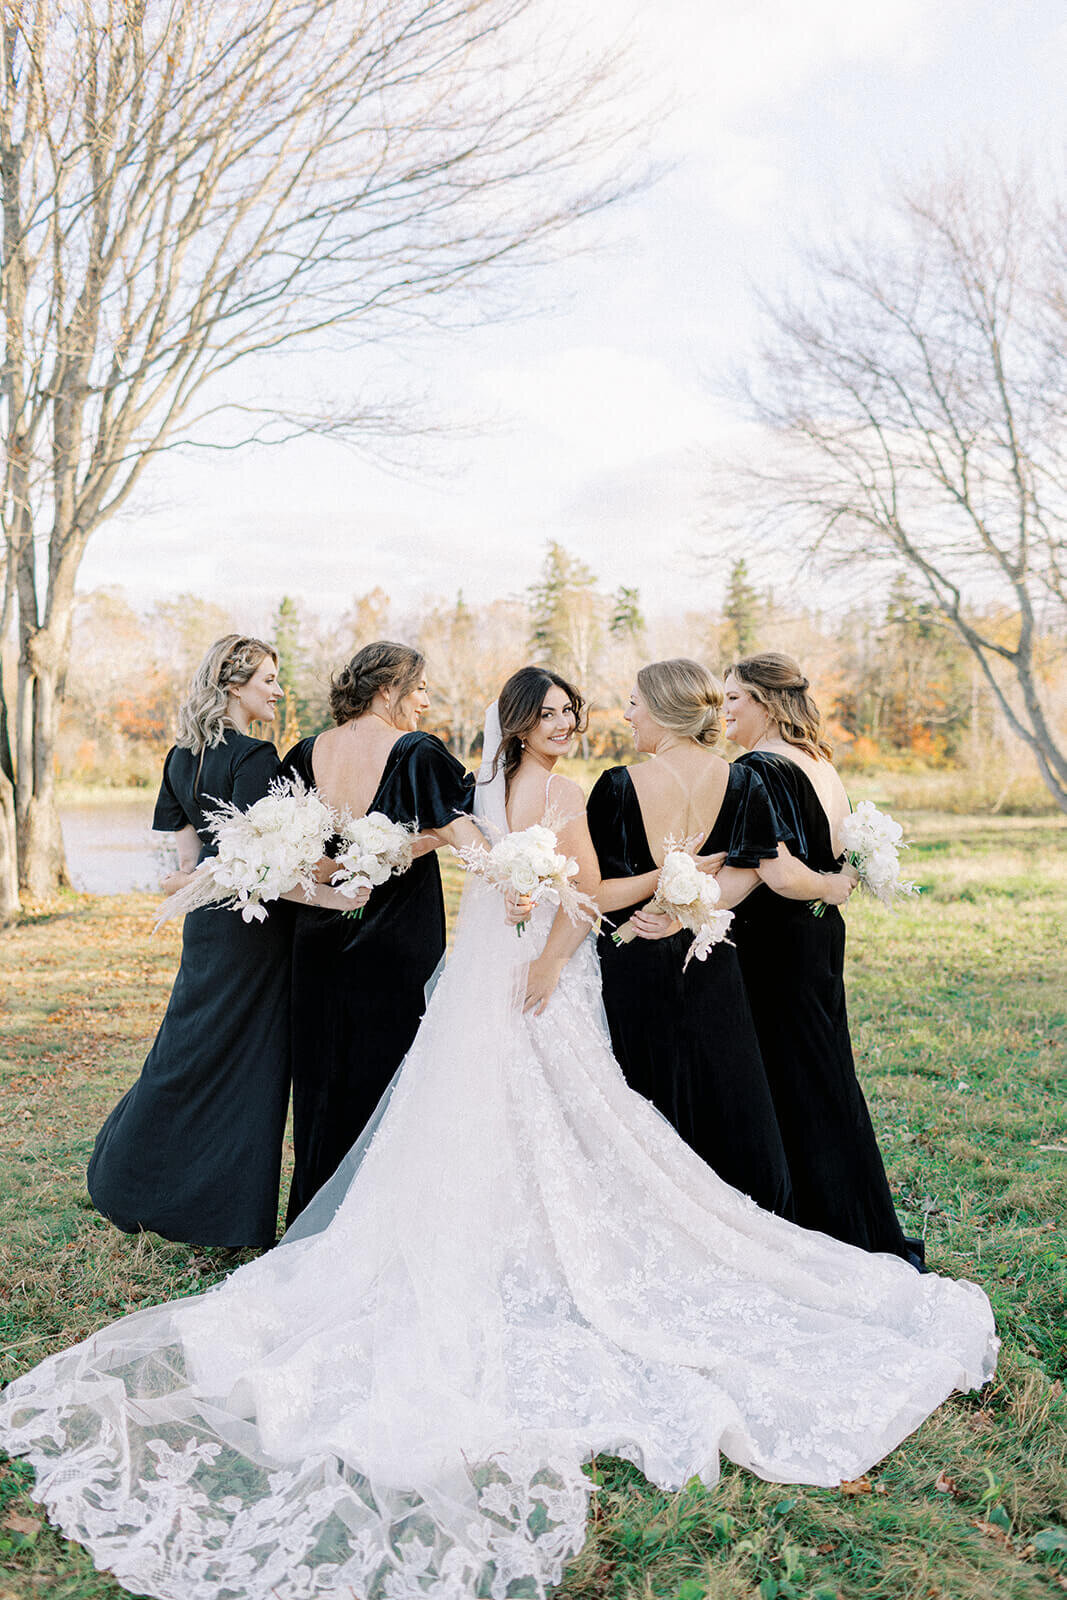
{"x":527,"y":1266}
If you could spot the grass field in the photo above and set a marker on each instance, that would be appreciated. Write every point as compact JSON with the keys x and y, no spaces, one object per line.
{"x":959,"y":1004}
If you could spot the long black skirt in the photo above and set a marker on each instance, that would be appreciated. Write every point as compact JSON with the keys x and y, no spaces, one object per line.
{"x":685,"y":1040}
{"x":793,"y":965}
{"x":193,"y":1150}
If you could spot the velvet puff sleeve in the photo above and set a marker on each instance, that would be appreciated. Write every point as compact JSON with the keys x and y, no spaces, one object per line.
{"x":779,"y":778}
{"x":756,"y":828}
{"x":169,"y":815}
{"x":427,"y":785}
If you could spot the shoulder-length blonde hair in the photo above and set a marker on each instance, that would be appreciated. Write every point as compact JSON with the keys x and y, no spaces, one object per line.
{"x":202,"y":718}
{"x":684,"y":697}
{"x":776,"y":681}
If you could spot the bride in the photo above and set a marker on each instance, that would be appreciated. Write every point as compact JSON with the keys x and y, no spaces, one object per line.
{"x":521,"y":1264}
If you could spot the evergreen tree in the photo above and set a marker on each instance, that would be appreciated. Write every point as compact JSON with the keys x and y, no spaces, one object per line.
{"x":627,"y":621}
{"x":566,"y":621}
{"x":287,"y":628}
{"x":743,"y":610}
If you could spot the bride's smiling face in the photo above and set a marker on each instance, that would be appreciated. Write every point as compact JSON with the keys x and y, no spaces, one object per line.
{"x":553,"y":733}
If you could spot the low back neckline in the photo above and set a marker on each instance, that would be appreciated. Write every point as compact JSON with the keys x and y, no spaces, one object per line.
{"x":385,"y":772}
{"x":644,"y":826}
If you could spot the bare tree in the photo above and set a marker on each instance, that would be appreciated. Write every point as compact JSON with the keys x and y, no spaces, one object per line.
{"x":188,"y":185}
{"x":919,"y":396}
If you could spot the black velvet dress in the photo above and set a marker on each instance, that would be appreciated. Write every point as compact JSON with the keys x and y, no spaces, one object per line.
{"x":193,"y":1150}
{"x":685,"y":1040}
{"x":793,"y":967}
{"x":359,"y":985}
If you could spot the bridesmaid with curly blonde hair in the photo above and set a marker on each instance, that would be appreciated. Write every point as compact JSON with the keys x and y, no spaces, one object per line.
{"x":193,"y":1150}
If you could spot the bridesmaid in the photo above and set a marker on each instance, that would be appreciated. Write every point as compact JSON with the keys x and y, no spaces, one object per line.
{"x":358,"y":986}
{"x":793,"y":967}
{"x":192,"y":1151}
{"x":685,"y":1040}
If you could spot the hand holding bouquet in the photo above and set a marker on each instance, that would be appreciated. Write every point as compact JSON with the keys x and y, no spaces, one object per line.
{"x":262,"y":853}
{"x":530,"y":865}
{"x":690,"y":896}
{"x":871,"y":841}
{"x":374,"y":849}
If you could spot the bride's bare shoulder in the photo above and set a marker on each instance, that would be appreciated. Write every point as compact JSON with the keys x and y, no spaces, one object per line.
{"x":565,"y":792}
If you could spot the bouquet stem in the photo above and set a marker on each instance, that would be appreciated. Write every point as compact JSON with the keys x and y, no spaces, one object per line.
{"x":626,"y":934}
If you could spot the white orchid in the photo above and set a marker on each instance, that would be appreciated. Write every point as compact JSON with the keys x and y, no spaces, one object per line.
{"x":872,"y":842}
{"x":374,"y":848}
{"x":262,"y":853}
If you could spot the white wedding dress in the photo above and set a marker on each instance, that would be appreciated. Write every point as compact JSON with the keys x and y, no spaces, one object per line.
{"x":526,"y":1266}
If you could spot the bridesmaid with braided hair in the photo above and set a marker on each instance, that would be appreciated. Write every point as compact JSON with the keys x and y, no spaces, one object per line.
{"x":193,"y":1149}
{"x":793,"y":962}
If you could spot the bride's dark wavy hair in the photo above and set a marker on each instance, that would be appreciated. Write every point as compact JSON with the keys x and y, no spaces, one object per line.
{"x":519,"y":704}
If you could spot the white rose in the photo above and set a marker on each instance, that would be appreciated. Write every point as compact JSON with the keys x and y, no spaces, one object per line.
{"x":679,"y":879}
{"x":524,"y":878}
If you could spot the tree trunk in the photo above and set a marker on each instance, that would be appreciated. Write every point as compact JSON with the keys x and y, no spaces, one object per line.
{"x":42,"y":860}
{"x":9,"y":862}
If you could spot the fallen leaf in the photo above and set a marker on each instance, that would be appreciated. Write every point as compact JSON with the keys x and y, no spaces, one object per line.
{"x":855,"y":1486}
{"x":946,"y":1485}
{"x":991,"y":1531}
{"x":18,"y":1523}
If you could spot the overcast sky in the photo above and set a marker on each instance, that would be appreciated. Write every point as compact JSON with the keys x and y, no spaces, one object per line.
{"x":789,"y":118}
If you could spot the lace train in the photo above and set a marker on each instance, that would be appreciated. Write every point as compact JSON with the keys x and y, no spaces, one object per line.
{"x":528,"y":1266}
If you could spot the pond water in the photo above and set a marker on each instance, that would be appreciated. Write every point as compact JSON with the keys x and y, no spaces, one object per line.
{"x":111,"y":848}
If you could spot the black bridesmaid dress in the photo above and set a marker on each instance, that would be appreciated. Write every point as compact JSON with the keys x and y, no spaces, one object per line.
{"x":358,"y":991}
{"x":193,"y":1150}
{"x":793,"y":968}
{"x":685,"y":1040}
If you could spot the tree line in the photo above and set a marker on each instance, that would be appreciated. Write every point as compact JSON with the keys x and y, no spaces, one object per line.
{"x":897,"y":686}
{"x":186,"y":191}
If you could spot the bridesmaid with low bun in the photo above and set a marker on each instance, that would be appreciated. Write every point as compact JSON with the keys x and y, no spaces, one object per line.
{"x":685,"y":1039}
{"x":793,"y":966}
{"x":358,"y":989}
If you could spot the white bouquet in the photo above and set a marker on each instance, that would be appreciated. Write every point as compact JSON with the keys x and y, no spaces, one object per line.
{"x":262,"y":852}
{"x":691,"y":896}
{"x":374,"y":849}
{"x":530,"y":863}
{"x":871,"y":842}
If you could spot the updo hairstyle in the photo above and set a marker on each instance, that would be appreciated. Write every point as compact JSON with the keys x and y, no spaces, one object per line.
{"x":202,"y":715}
{"x":776,"y":681}
{"x":396,"y":668}
{"x":519,"y":705}
{"x":684,"y":697}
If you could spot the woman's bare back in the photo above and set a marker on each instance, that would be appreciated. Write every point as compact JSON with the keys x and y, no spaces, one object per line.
{"x":680,"y":795}
{"x":824,"y":779}
{"x":348,"y":762}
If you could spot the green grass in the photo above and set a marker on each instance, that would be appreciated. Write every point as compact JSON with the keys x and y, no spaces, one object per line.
{"x":958,"y":1006}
